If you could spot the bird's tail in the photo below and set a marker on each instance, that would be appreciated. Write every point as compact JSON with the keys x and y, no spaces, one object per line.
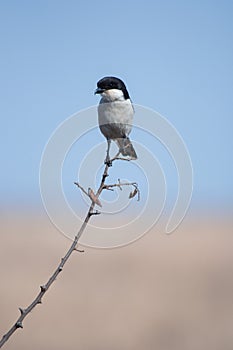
{"x":126,"y":148}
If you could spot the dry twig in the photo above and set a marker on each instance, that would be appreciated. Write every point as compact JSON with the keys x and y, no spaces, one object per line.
{"x":44,"y":288}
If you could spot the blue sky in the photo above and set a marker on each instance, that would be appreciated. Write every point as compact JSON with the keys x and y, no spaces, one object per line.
{"x":175,"y":57}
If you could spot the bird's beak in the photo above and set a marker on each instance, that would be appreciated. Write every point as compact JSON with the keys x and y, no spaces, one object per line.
{"x":99,"y":91}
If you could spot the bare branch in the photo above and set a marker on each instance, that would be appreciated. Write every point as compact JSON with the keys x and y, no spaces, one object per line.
{"x":81,"y":188}
{"x":132,"y":194}
{"x":44,"y":288}
{"x":120,"y":184}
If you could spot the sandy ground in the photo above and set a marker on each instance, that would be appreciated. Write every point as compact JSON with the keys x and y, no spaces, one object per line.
{"x":162,"y":292}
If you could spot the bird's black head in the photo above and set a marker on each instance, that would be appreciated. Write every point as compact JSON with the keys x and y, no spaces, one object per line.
{"x":109,"y":83}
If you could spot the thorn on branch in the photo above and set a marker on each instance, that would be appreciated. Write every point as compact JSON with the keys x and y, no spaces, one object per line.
{"x":79,"y":250}
{"x":105,"y":175}
{"x":119,"y":184}
{"x":95,"y":213}
{"x":22,"y":311}
{"x":43,"y":288}
{"x":19,"y":325}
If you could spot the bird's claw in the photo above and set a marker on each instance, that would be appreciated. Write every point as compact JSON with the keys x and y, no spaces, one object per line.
{"x":108,"y":162}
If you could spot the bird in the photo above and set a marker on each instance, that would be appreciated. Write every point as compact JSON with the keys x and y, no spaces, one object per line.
{"x":115,"y":116}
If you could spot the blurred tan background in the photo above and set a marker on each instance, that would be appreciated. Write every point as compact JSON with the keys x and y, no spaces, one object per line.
{"x":162,"y":292}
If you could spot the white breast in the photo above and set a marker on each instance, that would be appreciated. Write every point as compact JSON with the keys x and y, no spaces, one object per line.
{"x":115,"y":118}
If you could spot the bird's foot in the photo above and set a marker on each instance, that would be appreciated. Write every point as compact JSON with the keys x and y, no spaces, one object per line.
{"x":108,"y":162}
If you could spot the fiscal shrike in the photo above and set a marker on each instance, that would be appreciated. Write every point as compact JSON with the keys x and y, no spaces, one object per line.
{"x":115,"y":113}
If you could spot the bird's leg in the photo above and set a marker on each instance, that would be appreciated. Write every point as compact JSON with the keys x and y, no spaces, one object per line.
{"x":108,"y":160}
